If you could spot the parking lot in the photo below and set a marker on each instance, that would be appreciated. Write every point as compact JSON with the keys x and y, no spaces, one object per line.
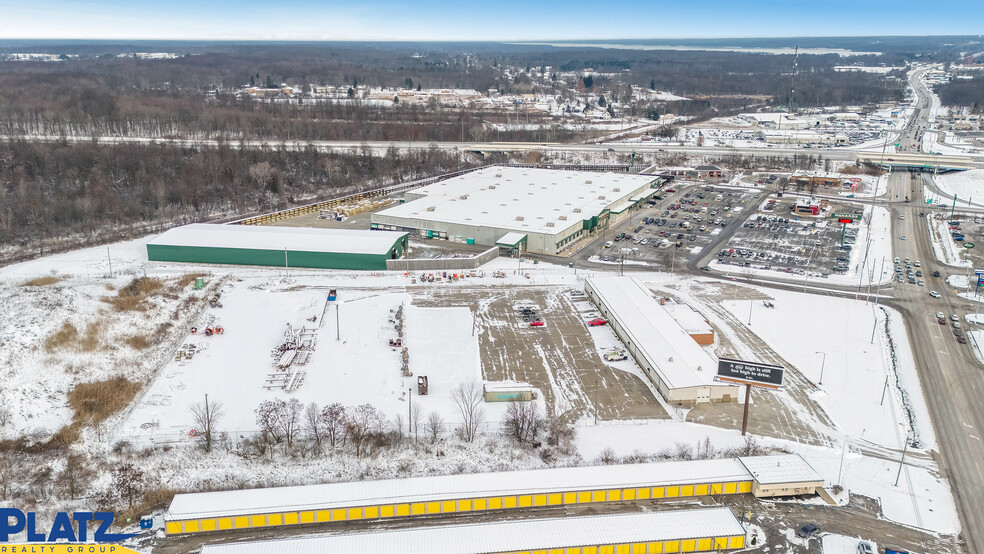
{"x":685,"y":220}
{"x":774,"y":238}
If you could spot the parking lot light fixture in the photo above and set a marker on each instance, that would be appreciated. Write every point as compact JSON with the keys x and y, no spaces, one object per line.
{"x":823,"y":362}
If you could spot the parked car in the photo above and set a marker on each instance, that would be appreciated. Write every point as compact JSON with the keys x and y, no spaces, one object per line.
{"x":536,"y":323}
{"x":936,"y":274}
{"x":807,"y":531}
{"x":934,"y":294}
{"x":597,"y":321}
{"x":864,"y":547}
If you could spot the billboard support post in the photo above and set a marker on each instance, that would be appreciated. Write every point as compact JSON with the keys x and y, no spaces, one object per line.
{"x":749,"y":374}
{"x":744,"y":418}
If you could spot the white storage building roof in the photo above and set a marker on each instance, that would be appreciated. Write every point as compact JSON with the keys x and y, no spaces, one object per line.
{"x":678,"y":359}
{"x":521,"y":199}
{"x":297,"y":239}
{"x":688,"y":318}
{"x":510,"y":536}
{"x":449,"y":487}
{"x":775,"y":470}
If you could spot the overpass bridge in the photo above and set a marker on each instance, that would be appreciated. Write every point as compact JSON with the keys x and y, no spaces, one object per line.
{"x":917,"y":162}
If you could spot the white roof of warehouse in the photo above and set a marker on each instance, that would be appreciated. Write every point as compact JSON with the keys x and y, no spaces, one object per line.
{"x":774,"y":470}
{"x":450,"y":487}
{"x":497,"y":196}
{"x":510,"y":536}
{"x":660,"y":339}
{"x":263,"y":237}
{"x":688,"y":318}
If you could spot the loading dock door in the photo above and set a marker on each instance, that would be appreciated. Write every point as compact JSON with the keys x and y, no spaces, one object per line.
{"x":703,"y":395}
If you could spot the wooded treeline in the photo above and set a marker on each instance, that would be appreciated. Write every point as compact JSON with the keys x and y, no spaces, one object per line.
{"x":57,"y":189}
{"x":963,"y":92}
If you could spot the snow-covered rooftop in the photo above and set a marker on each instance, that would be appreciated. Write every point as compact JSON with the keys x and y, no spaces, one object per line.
{"x":296,"y":239}
{"x":787,"y":468}
{"x":679,"y":360}
{"x":540,"y":534}
{"x":688,"y":318}
{"x":511,"y":238}
{"x":520,"y":199}
{"x":451,"y":487}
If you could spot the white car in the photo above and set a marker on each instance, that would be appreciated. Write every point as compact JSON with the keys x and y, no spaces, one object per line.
{"x":897,"y":260}
{"x":934,"y":294}
{"x":901,"y":217}
{"x":864,"y":547}
{"x":939,"y":315}
{"x":902,"y":237}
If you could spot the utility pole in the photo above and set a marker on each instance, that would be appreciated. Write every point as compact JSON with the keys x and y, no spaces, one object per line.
{"x":744,"y":417}
{"x":409,"y":407}
{"x":902,"y":461}
{"x":286,"y":266}
{"x":823,"y":362}
{"x":338,"y":329}
{"x":596,"y":402}
{"x":884,"y":389}
{"x":110,"y":258}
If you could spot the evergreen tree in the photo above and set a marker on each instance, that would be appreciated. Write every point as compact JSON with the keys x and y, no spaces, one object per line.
{"x":602,"y":102}
{"x":652,"y":84}
{"x":588,"y":81}
{"x":351,"y":92}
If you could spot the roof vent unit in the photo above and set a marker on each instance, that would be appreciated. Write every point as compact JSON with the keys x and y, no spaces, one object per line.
{"x":602,"y":197}
{"x":577,"y":210}
{"x":431,"y":208}
{"x":520,"y":218}
{"x":463,"y":197}
{"x":562,"y":218}
{"x":588,"y":182}
{"x":498,"y":175}
{"x":616,"y":189}
{"x":550,"y":224}
{"x":491,"y":187}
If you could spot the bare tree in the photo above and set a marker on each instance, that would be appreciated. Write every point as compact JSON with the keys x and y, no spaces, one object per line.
{"x":523,"y":420}
{"x":435,"y":425}
{"x":333,"y":417}
{"x":290,"y":420}
{"x":398,"y":427}
{"x":314,"y":425}
{"x":468,"y":397}
{"x":268,"y":415}
{"x":362,"y":423}
{"x":128,"y":483}
{"x":76,"y":475}
{"x":416,"y":416}
{"x":206,"y":414}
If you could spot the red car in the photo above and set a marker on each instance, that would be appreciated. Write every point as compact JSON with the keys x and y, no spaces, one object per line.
{"x":670,"y":190}
{"x":597,"y":321}
{"x":941,"y":321}
{"x":537,"y":323}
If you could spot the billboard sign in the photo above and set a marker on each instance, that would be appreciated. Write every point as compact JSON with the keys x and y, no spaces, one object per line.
{"x":750,"y":373}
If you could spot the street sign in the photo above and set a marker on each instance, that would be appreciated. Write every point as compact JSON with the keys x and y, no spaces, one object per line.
{"x":842,"y":215}
{"x":750,"y":373}
{"x":845,"y":220}
{"x":979,"y":272}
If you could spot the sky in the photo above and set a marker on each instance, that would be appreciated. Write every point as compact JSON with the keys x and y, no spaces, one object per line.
{"x":464,"y":20}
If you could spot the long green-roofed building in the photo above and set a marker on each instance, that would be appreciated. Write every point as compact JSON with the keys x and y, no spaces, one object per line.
{"x":278,"y":246}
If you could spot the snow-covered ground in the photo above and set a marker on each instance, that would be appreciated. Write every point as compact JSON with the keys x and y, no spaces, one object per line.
{"x":965,"y":184}
{"x":839,"y":544}
{"x":855,"y":368}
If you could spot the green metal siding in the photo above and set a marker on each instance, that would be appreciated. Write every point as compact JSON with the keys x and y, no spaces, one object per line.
{"x":274,"y":258}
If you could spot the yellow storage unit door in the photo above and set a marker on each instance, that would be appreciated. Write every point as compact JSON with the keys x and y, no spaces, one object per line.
{"x":208,"y":525}
{"x":275,"y":519}
{"x":655,"y":548}
{"x":242,"y":522}
{"x":257,"y":521}
{"x":191,"y":526}
{"x":736,"y":542}
{"x":307,"y":517}
{"x":721,"y":543}
{"x":225,"y":523}
{"x":745,"y":487}
{"x":703,"y":545}
{"x":173,"y":527}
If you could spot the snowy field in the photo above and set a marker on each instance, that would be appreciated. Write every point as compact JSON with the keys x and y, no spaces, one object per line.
{"x":965,"y":184}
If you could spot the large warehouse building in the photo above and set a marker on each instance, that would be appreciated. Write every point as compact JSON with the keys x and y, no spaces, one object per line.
{"x":679,"y":367}
{"x":277,"y":246}
{"x":541,"y":211}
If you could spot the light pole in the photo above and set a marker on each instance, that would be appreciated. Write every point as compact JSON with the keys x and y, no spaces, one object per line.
{"x":596,"y":402}
{"x":823,"y":362}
